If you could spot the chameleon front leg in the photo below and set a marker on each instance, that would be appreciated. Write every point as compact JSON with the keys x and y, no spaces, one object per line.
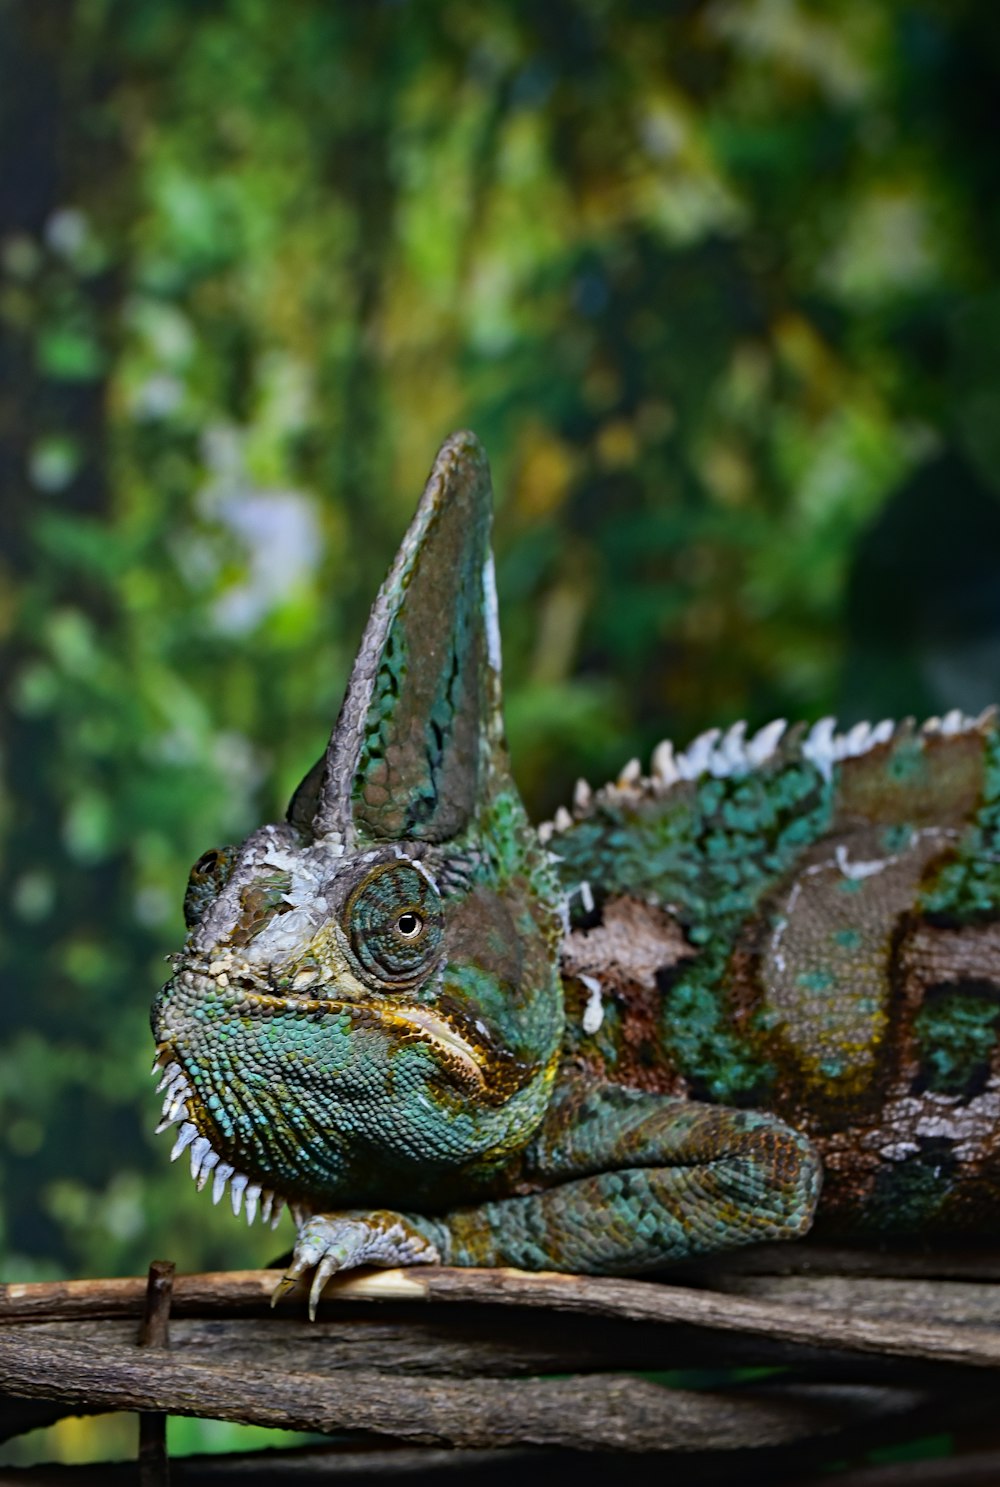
{"x":633,"y":1181}
{"x":329,"y":1242}
{"x":628,"y":1182}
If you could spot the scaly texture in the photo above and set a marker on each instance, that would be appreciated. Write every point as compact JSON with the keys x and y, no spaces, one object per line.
{"x":809,"y":924}
{"x":637,"y":1034}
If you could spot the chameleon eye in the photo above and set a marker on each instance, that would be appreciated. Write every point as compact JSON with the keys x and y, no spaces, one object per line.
{"x":393,"y":922}
{"x":409,"y":925}
{"x":206,"y":880}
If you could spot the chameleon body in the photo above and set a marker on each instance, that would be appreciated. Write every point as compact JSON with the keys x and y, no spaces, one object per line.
{"x":641,"y":1032}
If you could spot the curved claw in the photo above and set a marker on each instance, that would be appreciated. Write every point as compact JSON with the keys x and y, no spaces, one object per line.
{"x":326,"y":1264}
{"x":306,"y":1255}
{"x":329,"y":1265}
{"x":281,"y":1290}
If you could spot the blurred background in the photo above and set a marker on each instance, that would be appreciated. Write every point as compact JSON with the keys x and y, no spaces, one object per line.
{"x":717,"y":285}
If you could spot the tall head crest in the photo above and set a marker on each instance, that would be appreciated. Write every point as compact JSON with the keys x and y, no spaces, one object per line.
{"x":419,"y":740}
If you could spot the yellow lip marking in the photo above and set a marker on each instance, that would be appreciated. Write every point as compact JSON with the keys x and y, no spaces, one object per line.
{"x":440,"y":1032}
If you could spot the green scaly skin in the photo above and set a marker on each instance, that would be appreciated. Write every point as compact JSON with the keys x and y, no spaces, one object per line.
{"x":779,"y":948}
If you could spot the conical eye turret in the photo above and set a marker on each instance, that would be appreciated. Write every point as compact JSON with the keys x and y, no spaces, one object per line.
{"x":394,"y":926}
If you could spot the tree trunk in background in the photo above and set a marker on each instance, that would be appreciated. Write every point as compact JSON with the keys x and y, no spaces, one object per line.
{"x":63,"y":185}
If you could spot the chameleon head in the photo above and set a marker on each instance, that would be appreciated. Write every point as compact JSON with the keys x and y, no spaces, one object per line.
{"x":368,"y":1002}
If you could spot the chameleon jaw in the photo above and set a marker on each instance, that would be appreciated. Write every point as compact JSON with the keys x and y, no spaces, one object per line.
{"x":182,"y":1108}
{"x":178,"y":1102}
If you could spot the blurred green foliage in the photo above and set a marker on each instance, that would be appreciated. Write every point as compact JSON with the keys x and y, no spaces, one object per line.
{"x":715,"y":282}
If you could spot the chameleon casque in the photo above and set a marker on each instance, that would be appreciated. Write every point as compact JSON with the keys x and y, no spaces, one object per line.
{"x":639,"y":1033}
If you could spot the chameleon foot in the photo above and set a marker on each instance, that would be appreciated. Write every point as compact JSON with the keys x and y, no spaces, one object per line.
{"x":340,"y":1241}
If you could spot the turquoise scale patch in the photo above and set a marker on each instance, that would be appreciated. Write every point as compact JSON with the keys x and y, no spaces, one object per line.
{"x":711,"y":852}
{"x":956,"y":1032}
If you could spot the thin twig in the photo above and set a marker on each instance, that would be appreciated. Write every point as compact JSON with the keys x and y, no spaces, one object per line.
{"x":154,"y":1332}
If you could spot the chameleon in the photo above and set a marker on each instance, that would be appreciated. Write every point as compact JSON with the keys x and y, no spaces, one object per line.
{"x":661,"y":1025}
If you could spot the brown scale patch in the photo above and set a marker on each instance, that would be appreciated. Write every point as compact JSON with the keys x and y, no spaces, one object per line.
{"x":931,"y":954}
{"x":956,"y":1135}
{"x":743,"y":989}
{"x":924,"y":779}
{"x":812,"y":975}
{"x":480,"y":930}
{"x":632,"y":953}
{"x":849,"y":1173}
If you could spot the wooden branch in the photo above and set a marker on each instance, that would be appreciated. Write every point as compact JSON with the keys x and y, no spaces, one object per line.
{"x":598,"y":1411}
{"x":470,"y":1342}
{"x":463,"y":1344}
{"x":452,"y":1368}
{"x":959,"y":1302}
{"x":895,"y":1333}
{"x":809,"y":1258}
